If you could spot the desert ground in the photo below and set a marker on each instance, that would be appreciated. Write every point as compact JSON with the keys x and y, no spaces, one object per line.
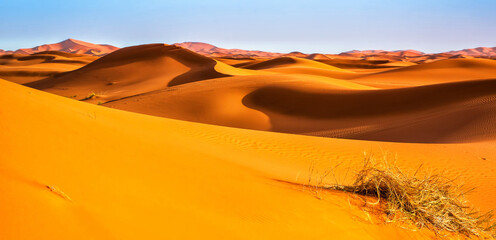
{"x":191,"y":141}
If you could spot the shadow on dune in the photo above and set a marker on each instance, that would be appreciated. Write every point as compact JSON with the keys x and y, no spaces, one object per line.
{"x":123,"y":64}
{"x":202,"y":68}
{"x":344,"y":104}
{"x":433,"y":113}
{"x":271,"y":63}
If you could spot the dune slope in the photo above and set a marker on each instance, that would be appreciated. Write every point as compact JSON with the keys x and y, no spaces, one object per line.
{"x":120,"y":175}
{"x":282,"y":62}
{"x":220,"y":101}
{"x":452,"y":112}
{"x":442,"y":71}
{"x":130,"y":71}
{"x":23,"y":69}
{"x":71,"y":46}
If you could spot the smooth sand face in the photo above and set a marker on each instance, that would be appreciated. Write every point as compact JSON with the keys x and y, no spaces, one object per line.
{"x":122,"y":175}
{"x":443,"y":71}
{"x":23,"y":69}
{"x":81,"y":171}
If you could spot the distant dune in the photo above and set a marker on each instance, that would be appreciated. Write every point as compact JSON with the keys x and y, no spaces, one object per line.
{"x":81,"y":47}
{"x":476,"y":52}
{"x":290,"y":62}
{"x":430,"y":73}
{"x":22,"y":69}
{"x":455,"y":112}
{"x":69,"y":46}
{"x":130,"y":71}
{"x":317,"y":56}
{"x":2,"y":52}
{"x":213,"y":51}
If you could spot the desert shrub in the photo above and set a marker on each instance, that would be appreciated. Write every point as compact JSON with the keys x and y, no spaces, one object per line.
{"x":426,"y":200}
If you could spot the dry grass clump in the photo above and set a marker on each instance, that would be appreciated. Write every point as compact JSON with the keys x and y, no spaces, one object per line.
{"x":431,"y":201}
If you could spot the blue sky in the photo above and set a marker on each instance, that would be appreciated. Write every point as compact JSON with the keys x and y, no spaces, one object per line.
{"x":309,"y":26}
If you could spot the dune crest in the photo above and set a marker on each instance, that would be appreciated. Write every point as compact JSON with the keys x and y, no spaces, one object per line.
{"x":454,"y":112}
{"x":71,"y":46}
{"x":23,"y":69}
{"x":131,"y":71}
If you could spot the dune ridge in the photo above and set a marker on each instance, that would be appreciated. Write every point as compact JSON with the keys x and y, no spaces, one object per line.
{"x":70,"y":46}
{"x":23,"y":69}
{"x":451,"y":112}
{"x":130,"y":71}
{"x":293,"y":95}
{"x":442,"y":71}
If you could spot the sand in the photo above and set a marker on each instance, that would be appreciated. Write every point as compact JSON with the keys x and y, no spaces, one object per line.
{"x":126,"y":176}
{"x":71,"y":46}
{"x":23,"y":69}
{"x":216,"y":148}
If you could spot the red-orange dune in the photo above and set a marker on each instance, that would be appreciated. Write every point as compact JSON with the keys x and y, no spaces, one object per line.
{"x":441,"y":102}
{"x":71,"y":46}
{"x":442,"y":71}
{"x":132,"y":71}
{"x":213,"y":51}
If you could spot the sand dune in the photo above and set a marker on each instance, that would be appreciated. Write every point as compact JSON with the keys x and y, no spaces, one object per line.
{"x":293,"y":95}
{"x":317,"y":56}
{"x":71,"y":46}
{"x":239,"y":62}
{"x":292,"y":62}
{"x":431,"y":73}
{"x":213,"y":51}
{"x":294,"y":65}
{"x":220,"y":101}
{"x":382,"y":53}
{"x":133,"y":70}
{"x":120,"y":175}
{"x":73,"y":170}
{"x":144,"y":163}
{"x":28,"y":68}
{"x":409,"y":55}
{"x":2,"y":52}
{"x":445,"y":113}
{"x":476,"y":52}
{"x":454,"y":112}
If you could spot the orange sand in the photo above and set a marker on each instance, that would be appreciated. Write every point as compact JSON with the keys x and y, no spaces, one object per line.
{"x":73,"y":170}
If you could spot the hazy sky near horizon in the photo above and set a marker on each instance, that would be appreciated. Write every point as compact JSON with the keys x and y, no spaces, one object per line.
{"x":309,"y":26}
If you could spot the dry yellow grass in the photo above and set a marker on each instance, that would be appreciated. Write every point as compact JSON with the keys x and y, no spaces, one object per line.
{"x":424,"y":199}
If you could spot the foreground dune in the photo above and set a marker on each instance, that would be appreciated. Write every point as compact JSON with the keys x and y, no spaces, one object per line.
{"x":79,"y":171}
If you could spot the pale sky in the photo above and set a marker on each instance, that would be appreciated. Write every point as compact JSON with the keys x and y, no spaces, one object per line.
{"x":325,"y":26}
